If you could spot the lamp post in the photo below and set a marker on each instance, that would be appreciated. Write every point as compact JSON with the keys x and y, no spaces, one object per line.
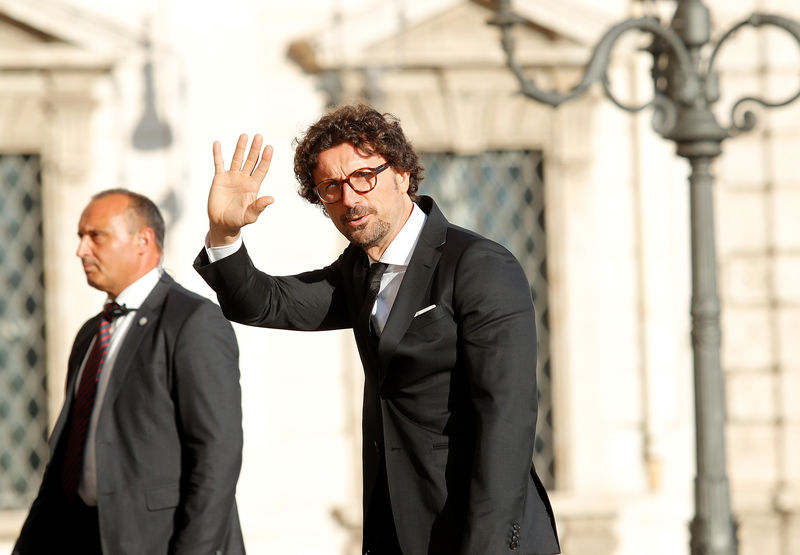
{"x":685,"y":86}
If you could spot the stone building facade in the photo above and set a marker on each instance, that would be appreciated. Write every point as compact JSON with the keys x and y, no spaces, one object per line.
{"x":593,"y":202}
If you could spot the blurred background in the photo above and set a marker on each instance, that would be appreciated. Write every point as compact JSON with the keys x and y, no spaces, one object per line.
{"x":97,"y":94}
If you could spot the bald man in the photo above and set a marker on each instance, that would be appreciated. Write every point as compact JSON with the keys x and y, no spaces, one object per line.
{"x":146,"y":453}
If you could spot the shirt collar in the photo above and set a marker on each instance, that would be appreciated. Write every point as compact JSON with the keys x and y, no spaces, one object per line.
{"x":399,"y":251}
{"x":134,"y":295}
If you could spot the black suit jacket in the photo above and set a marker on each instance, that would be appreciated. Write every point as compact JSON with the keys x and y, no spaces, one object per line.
{"x":169,"y":437}
{"x":450,"y":394}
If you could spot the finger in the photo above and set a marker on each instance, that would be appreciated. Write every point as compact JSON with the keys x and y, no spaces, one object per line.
{"x":252,"y":155}
{"x":238,"y":154}
{"x":263,"y":167}
{"x":258,"y":206}
{"x":219,"y":163}
{"x":261,"y":203}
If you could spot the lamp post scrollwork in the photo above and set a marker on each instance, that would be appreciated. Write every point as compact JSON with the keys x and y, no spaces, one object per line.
{"x":685,"y":86}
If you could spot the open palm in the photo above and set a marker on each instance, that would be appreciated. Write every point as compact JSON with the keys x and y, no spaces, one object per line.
{"x":233,"y":200}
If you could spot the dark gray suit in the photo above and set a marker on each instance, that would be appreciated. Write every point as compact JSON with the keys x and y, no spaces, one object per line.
{"x":450,"y":395}
{"x":169,"y":437}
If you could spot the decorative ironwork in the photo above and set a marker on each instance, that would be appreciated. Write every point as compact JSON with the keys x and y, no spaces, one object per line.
{"x":500,"y":194}
{"x":749,"y":118}
{"x":23,"y":389}
{"x":684,"y":90}
{"x":679,"y":75}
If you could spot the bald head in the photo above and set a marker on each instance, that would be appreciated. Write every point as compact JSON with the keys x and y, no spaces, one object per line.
{"x":121,"y":239}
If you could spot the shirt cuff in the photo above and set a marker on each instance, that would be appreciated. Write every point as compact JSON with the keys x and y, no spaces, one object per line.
{"x":218,"y":253}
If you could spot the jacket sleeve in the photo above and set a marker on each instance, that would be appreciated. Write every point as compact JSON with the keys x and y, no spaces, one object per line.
{"x":497,"y":336}
{"x":310,"y":301}
{"x":36,"y":534}
{"x":207,"y":397}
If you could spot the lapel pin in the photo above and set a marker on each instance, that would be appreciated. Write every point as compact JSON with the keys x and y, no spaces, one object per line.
{"x":142,"y":320}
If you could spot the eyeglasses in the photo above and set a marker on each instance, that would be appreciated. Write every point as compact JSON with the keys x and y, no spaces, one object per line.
{"x":362,"y":181}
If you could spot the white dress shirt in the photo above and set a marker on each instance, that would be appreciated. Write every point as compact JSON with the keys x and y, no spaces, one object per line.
{"x":133,"y":296}
{"x":397,"y":256}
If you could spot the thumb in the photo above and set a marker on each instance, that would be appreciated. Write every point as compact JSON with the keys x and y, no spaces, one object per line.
{"x":261,"y":203}
{"x":258,"y":206}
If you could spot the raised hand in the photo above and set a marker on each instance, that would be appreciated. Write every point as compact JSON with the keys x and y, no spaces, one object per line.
{"x":233,"y":200}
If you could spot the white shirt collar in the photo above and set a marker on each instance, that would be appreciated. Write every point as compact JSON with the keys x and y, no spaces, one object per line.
{"x":399,"y":251}
{"x":134,"y":295}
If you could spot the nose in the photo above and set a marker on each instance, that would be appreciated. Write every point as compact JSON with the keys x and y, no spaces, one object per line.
{"x":83,"y":249}
{"x":349,"y":196}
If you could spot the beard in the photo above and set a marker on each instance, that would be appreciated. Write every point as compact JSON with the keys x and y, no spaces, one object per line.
{"x":367,"y":234}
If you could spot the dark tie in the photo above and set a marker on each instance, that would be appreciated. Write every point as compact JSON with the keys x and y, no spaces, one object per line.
{"x":376,"y":271}
{"x":81,"y":411}
{"x":379,"y":515}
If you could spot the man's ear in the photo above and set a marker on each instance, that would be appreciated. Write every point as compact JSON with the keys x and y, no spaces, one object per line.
{"x":146,"y":237}
{"x":402,"y":179}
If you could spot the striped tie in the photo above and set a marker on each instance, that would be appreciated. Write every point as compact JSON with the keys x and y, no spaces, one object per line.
{"x":81,"y":411}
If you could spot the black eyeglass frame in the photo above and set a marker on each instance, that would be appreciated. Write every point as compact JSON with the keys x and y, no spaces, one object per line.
{"x":375,"y":171}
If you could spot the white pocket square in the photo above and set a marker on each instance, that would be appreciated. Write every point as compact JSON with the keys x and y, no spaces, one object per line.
{"x":424,"y":310}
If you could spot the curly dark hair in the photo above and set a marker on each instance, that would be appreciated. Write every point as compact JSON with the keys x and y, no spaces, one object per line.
{"x":366,"y":129}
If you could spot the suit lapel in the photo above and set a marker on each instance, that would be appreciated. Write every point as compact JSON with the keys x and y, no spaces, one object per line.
{"x":360,"y":269}
{"x":416,"y":280}
{"x":79,"y":349}
{"x":82,"y":343}
{"x":144,"y":320}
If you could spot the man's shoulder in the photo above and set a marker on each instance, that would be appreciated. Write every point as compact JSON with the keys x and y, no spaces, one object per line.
{"x":462,"y":239}
{"x":464,"y":235}
{"x":455,"y":235}
{"x":454,"y":240}
{"x":181,"y":300}
{"x":186,"y":310}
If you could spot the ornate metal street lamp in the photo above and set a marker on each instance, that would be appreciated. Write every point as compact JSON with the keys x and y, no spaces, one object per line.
{"x":685,"y":85}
